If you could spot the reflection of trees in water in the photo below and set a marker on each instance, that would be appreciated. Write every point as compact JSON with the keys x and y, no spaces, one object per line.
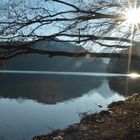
{"x":124,"y":85}
{"x":46,"y":89}
{"x":2,"y":64}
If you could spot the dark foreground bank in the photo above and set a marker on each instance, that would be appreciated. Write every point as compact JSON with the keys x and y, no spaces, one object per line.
{"x":120,"y":122}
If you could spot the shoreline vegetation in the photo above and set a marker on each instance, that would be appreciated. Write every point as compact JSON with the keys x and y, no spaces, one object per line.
{"x":121,"y":121}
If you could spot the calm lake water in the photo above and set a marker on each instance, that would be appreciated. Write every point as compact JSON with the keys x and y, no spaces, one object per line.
{"x":35,"y":104}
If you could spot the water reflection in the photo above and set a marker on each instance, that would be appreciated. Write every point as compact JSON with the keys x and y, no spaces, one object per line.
{"x":134,"y":75}
{"x":32,"y":104}
{"x":25,"y":119}
{"x":41,"y":102}
{"x":125,"y":85}
{"x":45,"y":88}
{"x":48,"y":89}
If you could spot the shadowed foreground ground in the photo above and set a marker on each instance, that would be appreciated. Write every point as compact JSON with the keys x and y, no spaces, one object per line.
{"x":120,"y":122}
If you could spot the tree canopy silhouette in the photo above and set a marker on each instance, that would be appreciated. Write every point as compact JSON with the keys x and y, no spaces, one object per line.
{"x":88,"y":23}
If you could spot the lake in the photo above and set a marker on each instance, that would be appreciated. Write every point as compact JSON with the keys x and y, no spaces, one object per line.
{"x":35,"y":104}
{"x":36,"y":96}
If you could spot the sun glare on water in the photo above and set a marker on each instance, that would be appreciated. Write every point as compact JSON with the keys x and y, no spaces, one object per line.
{"x":134,"y":75}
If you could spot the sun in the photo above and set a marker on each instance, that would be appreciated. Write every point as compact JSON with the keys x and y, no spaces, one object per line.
{"x":132,"y":16}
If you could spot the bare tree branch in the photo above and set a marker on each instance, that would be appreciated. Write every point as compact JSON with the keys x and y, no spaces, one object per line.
{"x":101,"y":22}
